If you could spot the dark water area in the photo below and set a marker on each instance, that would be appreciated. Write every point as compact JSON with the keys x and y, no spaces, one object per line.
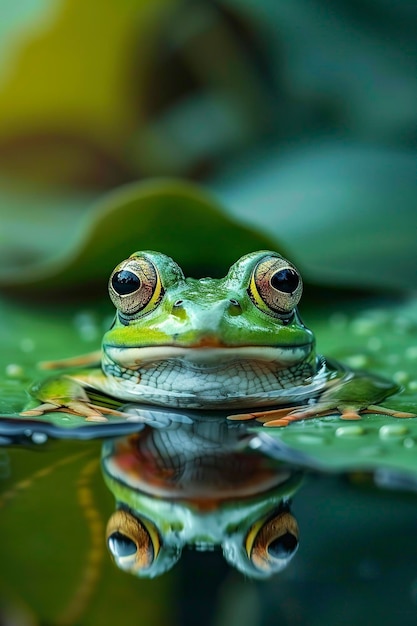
{"x":226,"y":535}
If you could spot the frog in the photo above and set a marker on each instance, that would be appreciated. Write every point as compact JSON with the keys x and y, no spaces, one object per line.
{"x":236,"y":344}
{"x":201,"y":482}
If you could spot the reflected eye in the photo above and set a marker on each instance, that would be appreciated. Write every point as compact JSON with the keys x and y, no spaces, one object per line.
{"x":272,"y":544}
{"x":282,"y":547}
{"x":135,"y":285}
{"x":120,"y":545}
{"x":133,"y":543}
{"x":275,"y":285}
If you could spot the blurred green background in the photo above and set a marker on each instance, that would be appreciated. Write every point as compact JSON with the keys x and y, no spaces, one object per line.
{"x":300,"y":117}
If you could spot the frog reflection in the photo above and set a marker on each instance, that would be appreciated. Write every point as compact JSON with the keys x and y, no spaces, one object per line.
{"x":200,"y":482}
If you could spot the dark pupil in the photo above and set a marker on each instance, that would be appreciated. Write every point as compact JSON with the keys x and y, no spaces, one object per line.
{"x":283,"y":546}
{"x":125,"y":282}
{"x":285,"y":280}
{"x":120,"y":545}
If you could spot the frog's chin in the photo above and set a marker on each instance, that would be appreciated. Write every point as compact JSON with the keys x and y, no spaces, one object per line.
{"x":204,"y":358}
{"x":211,"y":377}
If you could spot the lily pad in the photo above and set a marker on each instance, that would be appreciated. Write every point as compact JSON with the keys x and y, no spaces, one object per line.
{"x":382,"y":339}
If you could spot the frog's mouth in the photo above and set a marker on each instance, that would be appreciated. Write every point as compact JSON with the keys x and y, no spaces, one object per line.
{"x":209,"y":377}
{"x":203,"y":356}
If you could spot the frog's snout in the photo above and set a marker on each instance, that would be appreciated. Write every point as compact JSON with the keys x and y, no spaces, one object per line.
{"x":207,"y":314}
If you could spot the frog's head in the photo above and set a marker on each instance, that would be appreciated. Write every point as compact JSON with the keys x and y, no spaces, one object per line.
{"x":198,"y":484}
{"x":257,"y":544}
{"x":187,"y":336}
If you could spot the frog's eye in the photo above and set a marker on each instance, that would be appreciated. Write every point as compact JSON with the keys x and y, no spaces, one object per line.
{"x":133,"y":543}
{"x":275,"y":285}
{"x":271,"y":544}
{"x":135,"y":285}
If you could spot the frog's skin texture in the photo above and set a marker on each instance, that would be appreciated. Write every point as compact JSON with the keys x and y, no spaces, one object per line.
{"x":231,"y":343}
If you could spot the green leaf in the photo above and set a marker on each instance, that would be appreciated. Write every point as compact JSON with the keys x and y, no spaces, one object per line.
{"x":174,"y":217}
{"x":344,"y":211}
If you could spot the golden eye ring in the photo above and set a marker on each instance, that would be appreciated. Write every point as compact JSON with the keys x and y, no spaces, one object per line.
{"x":275,"y":285}
{"x":134,"y":543}
{"x":135,"y":286}
{"x":270,"y":544}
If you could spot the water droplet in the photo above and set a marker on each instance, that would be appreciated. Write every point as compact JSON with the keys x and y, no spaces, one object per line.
{"x":350,"y":431}
{"x":39,"y":438}
{"x":356,"y":360}
{"x":392,"y":430}
{"x":400,"y":377}
{"x":411,"y":353}
{"x":14,"y":370}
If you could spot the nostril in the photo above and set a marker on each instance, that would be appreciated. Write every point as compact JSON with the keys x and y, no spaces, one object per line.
{"x":234,"y":307}
{"x":178,"y":309}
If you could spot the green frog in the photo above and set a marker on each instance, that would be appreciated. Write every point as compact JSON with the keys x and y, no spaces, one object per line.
{"x":232,"y":343}
{"x":202,"y":482}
